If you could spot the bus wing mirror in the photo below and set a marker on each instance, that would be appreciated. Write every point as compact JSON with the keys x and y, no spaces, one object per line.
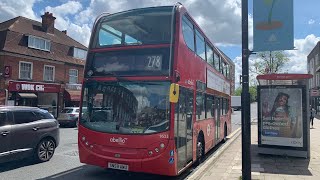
{"x":174,"y":93}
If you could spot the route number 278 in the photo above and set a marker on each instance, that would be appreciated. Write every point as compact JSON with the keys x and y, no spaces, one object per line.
{"x":154,"y":62}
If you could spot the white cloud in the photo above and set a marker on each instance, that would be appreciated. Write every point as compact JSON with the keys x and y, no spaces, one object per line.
{"x":311,"y":21}
{"x":79,"y":32}
{"x":70,"y":7}
{"x":298,"y":58}
{"x":12,"y":8}
{"x":221,"y":22}
{"x":297,"y":62}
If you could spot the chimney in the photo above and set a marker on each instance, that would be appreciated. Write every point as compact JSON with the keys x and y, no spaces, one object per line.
{"x":64,"y":31}
{"x":48,"y":22}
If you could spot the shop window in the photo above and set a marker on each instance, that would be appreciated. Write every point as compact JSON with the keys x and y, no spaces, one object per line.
{"x":48,"y":73}
{"x":25,"y":70}
{"x":73,"y":76}
{"x":48,"y":101}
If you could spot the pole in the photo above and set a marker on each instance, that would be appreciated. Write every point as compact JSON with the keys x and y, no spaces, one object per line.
{"x":245,"y":97}
{"x":271,"y":65}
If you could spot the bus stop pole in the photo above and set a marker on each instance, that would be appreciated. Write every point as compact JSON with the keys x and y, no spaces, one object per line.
{"x":245,"y":96}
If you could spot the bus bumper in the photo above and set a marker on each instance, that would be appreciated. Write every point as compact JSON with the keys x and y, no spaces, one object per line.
{"x":162,"y":164}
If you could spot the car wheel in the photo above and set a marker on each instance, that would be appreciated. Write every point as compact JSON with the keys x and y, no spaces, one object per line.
{"x":45,"y":150}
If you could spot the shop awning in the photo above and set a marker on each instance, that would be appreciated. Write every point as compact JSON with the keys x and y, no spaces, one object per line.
{"x":72,"y":95}
{"x":27,"y":95}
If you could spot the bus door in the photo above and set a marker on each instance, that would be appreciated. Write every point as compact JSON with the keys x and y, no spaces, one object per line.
{"x":217,"y":118}
{"x":183,"y":127}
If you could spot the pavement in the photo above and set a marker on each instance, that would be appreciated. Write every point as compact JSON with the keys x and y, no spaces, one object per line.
{"x":227,"y":162}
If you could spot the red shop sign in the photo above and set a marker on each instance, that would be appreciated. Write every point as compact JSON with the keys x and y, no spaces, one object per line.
{"x":7,"y":71}
{"x":20,"y":86}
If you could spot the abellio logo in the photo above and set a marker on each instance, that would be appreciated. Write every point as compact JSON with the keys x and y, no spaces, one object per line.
{"x":119,"y":140}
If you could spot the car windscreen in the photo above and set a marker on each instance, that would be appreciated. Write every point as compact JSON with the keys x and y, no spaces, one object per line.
{"x":126,"y":107}
{"x":44,"y":114}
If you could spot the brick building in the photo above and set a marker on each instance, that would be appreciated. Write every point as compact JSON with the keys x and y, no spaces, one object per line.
{"x":313,"y":65}
{"x":40,"y":65}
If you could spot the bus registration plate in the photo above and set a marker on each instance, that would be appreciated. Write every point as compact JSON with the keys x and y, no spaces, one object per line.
{"x":118,"y":166}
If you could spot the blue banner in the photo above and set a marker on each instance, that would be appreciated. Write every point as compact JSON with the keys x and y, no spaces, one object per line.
{"x":272,"y":25}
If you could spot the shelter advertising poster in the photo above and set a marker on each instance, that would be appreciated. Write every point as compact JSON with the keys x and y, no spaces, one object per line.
{"x":281,"y":117}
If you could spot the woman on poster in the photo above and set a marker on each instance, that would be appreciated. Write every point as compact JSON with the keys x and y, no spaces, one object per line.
{"x":284,"y":117}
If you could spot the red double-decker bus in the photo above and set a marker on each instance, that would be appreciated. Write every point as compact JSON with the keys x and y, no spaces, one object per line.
{"x":156,"y":92}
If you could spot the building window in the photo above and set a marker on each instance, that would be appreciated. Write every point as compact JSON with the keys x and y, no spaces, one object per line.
{"x":48,"y":73}
{"x":25,"y":70}
{"x":312,"y":65}
{"x":79,"y":53}
{"x":73,"y":76}
{"x":39,"y":43}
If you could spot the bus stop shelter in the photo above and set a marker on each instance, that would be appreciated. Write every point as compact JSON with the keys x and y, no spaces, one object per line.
{"x":283,"y":114}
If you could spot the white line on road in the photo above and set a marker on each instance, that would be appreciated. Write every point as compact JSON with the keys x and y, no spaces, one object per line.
{"x":65,"y":173}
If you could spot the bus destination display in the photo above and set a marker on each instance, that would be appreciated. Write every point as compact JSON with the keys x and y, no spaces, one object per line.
{"x":120,"y":63}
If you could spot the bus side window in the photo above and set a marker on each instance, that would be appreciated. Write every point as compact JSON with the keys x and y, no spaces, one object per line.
{"x":188,"y":33}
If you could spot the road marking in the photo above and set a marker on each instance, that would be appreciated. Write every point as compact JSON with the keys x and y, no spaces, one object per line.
{"x":65,"y":173}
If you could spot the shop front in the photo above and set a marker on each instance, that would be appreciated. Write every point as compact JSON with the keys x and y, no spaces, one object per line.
{"x":36,"y":94}
{"x":72,"y":95}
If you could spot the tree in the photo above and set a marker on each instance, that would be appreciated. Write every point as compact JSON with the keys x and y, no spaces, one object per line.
{"x":238,"y":91}
{"x":269,"y":62}
{"x":252,"y":91}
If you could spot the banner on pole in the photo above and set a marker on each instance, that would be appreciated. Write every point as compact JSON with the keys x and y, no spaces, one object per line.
{"x":272,"y":25}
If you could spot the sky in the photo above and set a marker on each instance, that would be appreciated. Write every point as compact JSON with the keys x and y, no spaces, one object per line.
{"x":219,"y":19}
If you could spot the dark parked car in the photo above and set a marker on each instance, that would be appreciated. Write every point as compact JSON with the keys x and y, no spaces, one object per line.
{"x":69,"y":116}
{"x":27,"y":132}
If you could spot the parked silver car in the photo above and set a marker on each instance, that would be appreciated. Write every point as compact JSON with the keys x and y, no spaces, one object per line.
{"x":69,"y":116}
{"x":27,"y":132}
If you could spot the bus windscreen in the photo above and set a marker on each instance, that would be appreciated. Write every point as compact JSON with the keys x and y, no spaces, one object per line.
{"x":126,"y":107}
{"x":135,"y":27}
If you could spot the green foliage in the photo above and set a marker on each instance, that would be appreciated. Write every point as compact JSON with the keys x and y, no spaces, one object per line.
{"x":238,"y":91}
{"x":252,"y":91}
{"x":269,"y":62}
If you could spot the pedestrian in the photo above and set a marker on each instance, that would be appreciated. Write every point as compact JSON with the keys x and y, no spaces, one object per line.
{"x":311,"y":116}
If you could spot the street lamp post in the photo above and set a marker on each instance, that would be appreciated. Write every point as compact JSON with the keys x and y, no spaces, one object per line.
{"x":245,"y":96}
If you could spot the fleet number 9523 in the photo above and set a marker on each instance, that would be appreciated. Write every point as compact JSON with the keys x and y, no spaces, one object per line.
{"x":164,"y":136}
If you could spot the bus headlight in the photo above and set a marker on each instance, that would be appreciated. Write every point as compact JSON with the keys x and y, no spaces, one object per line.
{"x":161,"y":145}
